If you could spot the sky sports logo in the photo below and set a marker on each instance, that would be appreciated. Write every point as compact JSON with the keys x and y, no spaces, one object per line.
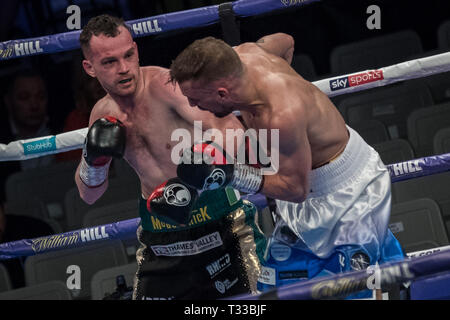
{"x":356,"y":80}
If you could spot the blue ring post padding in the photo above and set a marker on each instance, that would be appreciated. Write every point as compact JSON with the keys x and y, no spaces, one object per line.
{"x":143,"y":27}
{"x":344,"y":284}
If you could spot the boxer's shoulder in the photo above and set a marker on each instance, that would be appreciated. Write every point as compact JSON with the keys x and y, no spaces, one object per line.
{"x":106,"y":106}
{"x":155,"y":73}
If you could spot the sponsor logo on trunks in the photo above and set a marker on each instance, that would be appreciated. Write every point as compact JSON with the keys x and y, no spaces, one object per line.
{"x":280,"y":252}
{"x":359,"y":261}
{"x":293,"y":274}
{"x":223,"y":286}
{"x":40,"y":146}
{"x":267,"y":276}
{"x":177,"y":195}
{"x":197,"y":218}
{"x":219,"y":265}
{"x":356,"y":79}
{"x":341,"y":260}
{"x":189,"y":248}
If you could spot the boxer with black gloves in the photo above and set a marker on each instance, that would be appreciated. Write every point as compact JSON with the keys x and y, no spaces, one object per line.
{"x":172,"y":202}
{"x":205,"y":167}
{"x":205,"y":246}
{"x":105,"y":139}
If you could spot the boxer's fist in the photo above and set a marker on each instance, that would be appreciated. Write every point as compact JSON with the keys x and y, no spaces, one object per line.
{"x":105,"y":139}
{"x":172,"y":202}
{"x":205,"y":167}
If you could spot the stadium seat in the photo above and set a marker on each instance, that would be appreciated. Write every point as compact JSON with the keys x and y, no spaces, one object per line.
{"x":391,"y":105}
{"x":372,"y":131}
{"x":304,"y":66}
{"x":111,"y":213}
{"x":375,"y":52}
{"x":90,"y":259}
{"x":394,"y":151}
{"x":434,"y":187}
{"x":439,"y":85}
{"x":5,"y":281}
{"x":418,"y":225}
{"x":39,"y":192}
{"x":441,"y":141}
{"x":119,"y":190}
{"x":51,"y":290}
{"x":104,"y":281}
{"x":444,"y":35}
{"x":423,"y":124}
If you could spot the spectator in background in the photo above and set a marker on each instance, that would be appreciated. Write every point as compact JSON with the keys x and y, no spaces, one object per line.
{"x":87,"y":91}
{"x":16,"y":227}
{"x":27,"y":117}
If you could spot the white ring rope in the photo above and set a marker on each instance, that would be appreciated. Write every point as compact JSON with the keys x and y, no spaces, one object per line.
{"x":37,"y":147}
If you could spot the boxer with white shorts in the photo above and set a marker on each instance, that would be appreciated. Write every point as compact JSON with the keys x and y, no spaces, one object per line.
{"x":332,"y":189}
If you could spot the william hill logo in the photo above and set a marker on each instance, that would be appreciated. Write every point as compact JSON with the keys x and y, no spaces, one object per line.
{"x":69,"y":239}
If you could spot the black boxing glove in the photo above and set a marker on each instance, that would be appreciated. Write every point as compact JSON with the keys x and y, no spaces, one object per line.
{"x":105,"y":139}
{"x":206,"y":166}
{"x":172,"y":202}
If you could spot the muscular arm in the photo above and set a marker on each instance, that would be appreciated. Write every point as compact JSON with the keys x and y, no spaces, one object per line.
{"x":89,"y":194}
{"x":279,"y":44}
{"x":291,"y":182}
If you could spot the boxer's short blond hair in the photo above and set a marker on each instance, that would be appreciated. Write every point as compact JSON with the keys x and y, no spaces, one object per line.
{"x":207,"y":59}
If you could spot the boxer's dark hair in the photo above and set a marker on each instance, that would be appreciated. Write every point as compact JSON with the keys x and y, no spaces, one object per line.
{"x":207,"y":59}
{"x":103,"y":24}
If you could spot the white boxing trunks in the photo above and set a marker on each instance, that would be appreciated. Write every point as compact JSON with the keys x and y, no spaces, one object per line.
{"x":349,"y":202}
{"x":342,"y":224}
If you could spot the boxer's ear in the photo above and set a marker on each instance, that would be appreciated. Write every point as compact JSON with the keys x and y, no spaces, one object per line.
{"x":223,"y":92}
{"x":87,"y":66}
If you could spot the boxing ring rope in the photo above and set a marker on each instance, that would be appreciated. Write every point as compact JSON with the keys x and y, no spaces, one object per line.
{"x":343,"y":284}
{"x":159,"y":24}
{"x":435,"y":260}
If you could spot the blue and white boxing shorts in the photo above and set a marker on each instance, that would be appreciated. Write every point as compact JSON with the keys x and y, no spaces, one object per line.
{"x":341,"y":226}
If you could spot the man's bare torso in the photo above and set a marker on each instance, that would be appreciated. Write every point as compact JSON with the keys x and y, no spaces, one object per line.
{"x":149,"y":126}
{"x":325,"y":127}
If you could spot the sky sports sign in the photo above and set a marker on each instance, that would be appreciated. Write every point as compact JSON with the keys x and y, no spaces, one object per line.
{"x":356,"y":79}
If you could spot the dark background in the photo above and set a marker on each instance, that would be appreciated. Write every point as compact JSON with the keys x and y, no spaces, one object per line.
{"x":317,"y":29}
